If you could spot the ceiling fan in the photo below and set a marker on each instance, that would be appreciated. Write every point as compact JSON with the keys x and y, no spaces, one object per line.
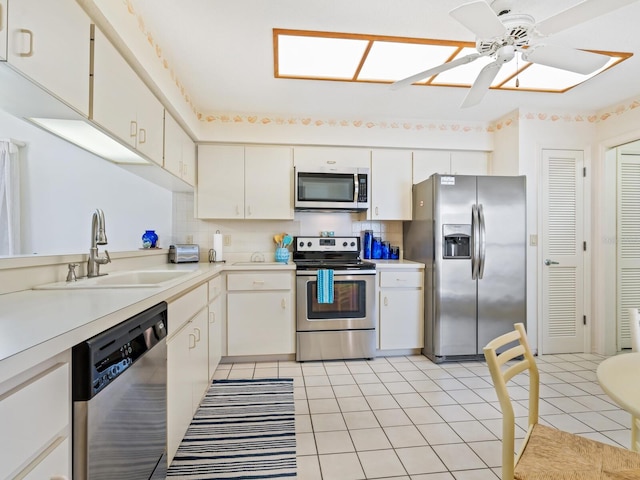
{"x":502,"y":32}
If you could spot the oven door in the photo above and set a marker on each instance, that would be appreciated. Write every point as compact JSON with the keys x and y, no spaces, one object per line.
{"x":352,"y":308}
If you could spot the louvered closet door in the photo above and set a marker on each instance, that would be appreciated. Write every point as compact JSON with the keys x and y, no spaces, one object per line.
{"x":562,"y":252}
{"x":628,"y":244}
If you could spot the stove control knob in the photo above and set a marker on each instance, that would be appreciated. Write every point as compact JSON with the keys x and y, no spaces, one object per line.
{"x":344,"y":244}
{"x":353,"y":244}
{"x":301,"y":244}
{"x":309,"y":244}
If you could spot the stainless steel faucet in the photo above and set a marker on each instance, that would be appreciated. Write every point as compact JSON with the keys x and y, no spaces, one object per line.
{"x":98,"y":237}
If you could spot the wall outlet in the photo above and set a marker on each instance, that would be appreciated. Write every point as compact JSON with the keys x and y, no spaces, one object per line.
{"x":533,"y":240}
{"x":226,"y":240}
{"x":189,"y":238}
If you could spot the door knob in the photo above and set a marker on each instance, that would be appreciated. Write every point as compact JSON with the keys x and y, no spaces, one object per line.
{"x":550,"y":262}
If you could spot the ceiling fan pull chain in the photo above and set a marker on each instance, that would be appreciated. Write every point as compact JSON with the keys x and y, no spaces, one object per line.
{"x":517,"y":71}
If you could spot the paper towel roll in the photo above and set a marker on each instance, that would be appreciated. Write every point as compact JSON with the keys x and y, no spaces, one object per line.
{"x":217,"y":246}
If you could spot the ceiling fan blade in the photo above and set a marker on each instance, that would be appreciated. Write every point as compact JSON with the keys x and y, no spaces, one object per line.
{"x":435,"y":70}
{"x":479,"y":18}
{"x":566,"y":58}
{"x":577,"y":14}
{"x":481,"y":85}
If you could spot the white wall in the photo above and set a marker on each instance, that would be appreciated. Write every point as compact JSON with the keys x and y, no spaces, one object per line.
{"x":249,"y":236}
{"x":62,"y":185}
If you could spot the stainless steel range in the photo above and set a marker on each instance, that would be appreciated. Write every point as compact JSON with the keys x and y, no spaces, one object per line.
{"x":344,"y":328}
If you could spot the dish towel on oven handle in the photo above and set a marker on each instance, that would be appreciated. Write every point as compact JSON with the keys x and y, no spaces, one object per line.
{"x":325,"y":286}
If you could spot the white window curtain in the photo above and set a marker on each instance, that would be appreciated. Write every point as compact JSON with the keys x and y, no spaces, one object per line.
{"x":9,"y":198}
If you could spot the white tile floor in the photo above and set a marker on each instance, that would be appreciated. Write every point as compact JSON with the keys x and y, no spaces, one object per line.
{"x":407,"y":418}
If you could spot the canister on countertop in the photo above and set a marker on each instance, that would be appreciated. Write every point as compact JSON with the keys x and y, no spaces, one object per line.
{"x":386,"y":250}
{"x":376,"y":249}
{"x":367,"y":244}
{"x":395,"y":252}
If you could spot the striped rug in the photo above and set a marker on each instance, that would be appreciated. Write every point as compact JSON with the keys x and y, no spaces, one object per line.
{"x":242,"y":430}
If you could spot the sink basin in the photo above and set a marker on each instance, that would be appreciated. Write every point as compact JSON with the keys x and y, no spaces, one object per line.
{"x":128,"y":279}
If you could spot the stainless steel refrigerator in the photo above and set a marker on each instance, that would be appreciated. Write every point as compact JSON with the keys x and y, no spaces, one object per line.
{"x":470,"y":232}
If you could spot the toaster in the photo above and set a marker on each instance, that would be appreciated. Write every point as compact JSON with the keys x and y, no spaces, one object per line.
{"x":184,"y":253}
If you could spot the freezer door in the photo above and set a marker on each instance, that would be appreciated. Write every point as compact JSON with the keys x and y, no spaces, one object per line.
{"x":502,"y":276}
{"x":454,"y":293}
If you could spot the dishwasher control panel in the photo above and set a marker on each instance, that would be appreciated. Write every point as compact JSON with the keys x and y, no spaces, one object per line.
{"x":99,"y":360}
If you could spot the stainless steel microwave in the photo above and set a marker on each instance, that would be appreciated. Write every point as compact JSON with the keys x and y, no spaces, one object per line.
{"x":332,"y":188}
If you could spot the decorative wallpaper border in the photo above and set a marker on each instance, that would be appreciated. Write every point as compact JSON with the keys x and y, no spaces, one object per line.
{"x":427,"y":125}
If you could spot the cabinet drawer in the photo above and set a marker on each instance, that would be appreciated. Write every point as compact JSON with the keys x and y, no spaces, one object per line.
{"x":185,"y":307}
{"x":215,"y":287}
{"x":55,"y":464}
{"x":401,"y":279}
{"x":32,"y":416}
{"x":259,"y":281}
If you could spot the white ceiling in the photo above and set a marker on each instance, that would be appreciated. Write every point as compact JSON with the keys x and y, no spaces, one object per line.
{"x":222,"y":52}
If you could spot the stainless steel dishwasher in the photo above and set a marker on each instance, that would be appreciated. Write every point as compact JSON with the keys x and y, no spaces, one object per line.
{"x":120,"y":401}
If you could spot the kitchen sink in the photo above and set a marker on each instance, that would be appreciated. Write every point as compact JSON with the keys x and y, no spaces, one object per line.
{"x":126,"y":279}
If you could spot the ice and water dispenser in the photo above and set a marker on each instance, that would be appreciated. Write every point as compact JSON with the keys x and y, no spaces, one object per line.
{"x":456,"y":241}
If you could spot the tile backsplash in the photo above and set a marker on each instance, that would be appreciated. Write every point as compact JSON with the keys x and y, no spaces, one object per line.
{"x":251,"y":236}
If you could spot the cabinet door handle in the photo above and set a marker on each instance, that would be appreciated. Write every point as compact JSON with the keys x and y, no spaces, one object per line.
{"x":377,"y":211}
{"x":258,"y":282}
{"x":283,"y":303}
{"x":25,"y":31}
{"x":331,"y":162}
{"x":212,"y":317}
{"x":185,"y":169}
{"x":143,"y":136}
{"x":197,"y":331}
{"x":249,"y":210}
{"x":192,"y":346}
{"x":401,"y":279}
{"x":237,"y":210}
{"x":133,"y":128}
{"x":386,"y":301}
{"x":1,"y":16}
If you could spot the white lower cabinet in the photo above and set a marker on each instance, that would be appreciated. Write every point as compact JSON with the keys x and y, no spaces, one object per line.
{"x":187,"y":363}
{"x":401,"y":308}
{"x":35,"y":414}
{"x":215,"y":324}
{"x":260,"y":313}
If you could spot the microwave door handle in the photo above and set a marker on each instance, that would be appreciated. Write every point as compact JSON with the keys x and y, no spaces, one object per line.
{"x":356,"y":187}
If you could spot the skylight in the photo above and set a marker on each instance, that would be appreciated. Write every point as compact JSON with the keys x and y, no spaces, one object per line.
{"x":301,"y":54}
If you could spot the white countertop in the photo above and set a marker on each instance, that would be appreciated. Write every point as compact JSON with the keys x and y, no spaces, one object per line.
{"x":384,"y":264}
{"x":38,"y":324}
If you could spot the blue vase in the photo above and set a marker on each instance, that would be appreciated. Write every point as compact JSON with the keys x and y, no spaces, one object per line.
{"x":149,"y":239}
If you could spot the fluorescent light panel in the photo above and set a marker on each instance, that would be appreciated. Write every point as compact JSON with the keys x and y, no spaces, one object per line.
{"x":319,"y":57}
{"x":338,"y":56}
{"x":90,"y":138}
{"x":388,"y":61}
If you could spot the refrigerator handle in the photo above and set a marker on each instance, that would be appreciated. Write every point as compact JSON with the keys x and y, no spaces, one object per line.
{"x":482,"y":231}
{"x":475,"y":232}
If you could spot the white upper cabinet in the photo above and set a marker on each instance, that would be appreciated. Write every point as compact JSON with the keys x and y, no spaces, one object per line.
{"x":49,"y":42}
{"x":469,"y":163}
{"x":428,"y":162}
{"x":391,"y":175}
{"x":3,"y":29}
{"x":122,"y":103}
{"x":268,"y":183}
{"x":179,"y":151}
{"x":328,"y":157}
{"x":244,"y":182}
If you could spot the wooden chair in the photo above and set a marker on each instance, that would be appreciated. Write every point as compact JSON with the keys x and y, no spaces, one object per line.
{"x":546,"y":453}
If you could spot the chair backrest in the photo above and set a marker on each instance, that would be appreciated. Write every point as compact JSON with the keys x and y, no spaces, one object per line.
{"x":507,"y":356}
{"x":634,"y":326}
